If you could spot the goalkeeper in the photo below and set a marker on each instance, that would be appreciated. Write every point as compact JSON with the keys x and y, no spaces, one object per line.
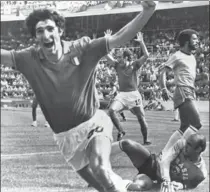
{"x":181,"y":167}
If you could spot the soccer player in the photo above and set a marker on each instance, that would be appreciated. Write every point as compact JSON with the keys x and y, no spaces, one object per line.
{"x":181,"y":167}
{"x":62,"y":76}
{"x":34,"y":115}
{"x":183,"y":64}
{"x":129,"y":96}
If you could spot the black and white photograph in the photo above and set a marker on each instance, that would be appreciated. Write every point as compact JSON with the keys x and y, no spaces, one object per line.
{"x":107,"y":96}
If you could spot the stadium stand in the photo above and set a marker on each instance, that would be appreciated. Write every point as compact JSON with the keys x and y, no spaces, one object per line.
{"x":159,"y":35}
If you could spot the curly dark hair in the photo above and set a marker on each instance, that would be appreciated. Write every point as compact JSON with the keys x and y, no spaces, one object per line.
{"x":127,"y":53}
{"x":185,"y":36}
{"x":41,"y":15}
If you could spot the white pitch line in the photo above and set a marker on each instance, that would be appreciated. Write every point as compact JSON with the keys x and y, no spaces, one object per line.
{"x":10,"y":156}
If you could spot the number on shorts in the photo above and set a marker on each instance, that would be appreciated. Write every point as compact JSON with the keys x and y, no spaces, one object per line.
{"x":138,"y":101}
{"x":97,"y":130}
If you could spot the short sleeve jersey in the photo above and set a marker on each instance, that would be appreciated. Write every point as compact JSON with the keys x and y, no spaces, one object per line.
{"x":65,"y":90}
{"x":184,"y":171}
{"x":184,"y":67}
{"x":127,"y":77}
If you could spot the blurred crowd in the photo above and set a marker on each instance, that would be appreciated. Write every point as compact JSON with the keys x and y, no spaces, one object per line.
{"x":160,"y":41}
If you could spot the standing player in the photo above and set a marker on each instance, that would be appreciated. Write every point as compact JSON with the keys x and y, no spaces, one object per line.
{"x":34,"y":115}
{"x":181,"y":167}
{"x":183,"y":64}
{"x":62,"y":76}
{"x":129,"y":96}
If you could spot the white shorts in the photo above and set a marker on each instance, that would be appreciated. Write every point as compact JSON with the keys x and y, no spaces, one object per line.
{"x":73,"y":143}
{"x":129,"y":99}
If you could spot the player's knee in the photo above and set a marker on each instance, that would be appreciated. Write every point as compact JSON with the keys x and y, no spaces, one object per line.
{"x":140,"y":115}
{"x":183,"y":128}
{"x":126,"y":144}
{"x":112,"y":112}
{"x":197,"y":125}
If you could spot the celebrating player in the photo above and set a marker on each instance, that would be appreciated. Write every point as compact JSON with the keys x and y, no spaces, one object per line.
{"x":62,"y":75}
{"x":183,"y":64}
{"x":129,"y":96}
{"x":181,"y":167}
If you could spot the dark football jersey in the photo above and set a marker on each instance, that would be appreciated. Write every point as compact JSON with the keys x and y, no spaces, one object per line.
{"x":182,"y":170}
{"x":127,"y":77}
{"x":186,"y":172}
{"x":66,"y":90}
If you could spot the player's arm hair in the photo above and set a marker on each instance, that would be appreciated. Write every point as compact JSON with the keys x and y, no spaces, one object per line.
{"x":162,"y":78}
{"x":129,"y":31}
{"x":144,"y":57}
{"x":6,"y":58}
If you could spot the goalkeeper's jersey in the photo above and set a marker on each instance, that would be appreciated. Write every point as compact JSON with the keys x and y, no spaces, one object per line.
{"x":185,"y":171}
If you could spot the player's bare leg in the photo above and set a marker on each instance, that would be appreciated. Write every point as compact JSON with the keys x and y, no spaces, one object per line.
{"x":137,"y":153}
{"x":123,"y":116}
{"x":114,"y":109}
{"x":190,"y":123}
{"x":34,"y":114}
{"x":87,"y":174}
{"x":139,"y":112}
{"x":99,"y":150}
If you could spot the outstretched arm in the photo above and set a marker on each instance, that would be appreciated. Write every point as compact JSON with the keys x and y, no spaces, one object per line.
{"x":6,"y":58}
{"x":145,"y":55}
{"x":129,"y":31}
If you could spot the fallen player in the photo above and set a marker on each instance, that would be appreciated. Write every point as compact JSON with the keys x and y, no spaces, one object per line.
{"x":181,"y":167}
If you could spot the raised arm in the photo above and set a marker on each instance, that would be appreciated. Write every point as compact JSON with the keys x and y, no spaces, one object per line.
{"x":6,"y":58}
{"x":145,"y":55}
{"x":129,"y":31}
{"x":109,"y":56}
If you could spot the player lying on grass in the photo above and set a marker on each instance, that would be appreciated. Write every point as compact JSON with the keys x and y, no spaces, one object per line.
{"x":181,"y":167}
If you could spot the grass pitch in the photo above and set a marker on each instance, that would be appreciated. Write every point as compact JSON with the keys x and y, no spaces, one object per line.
{"x":31,"y":162}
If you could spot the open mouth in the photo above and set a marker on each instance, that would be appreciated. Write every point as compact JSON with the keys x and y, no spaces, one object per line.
{"x":49,"y":44}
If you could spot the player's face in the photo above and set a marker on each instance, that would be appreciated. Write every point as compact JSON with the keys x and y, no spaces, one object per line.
{"x":193,"y":44}
{"x":190,"y":148}
{"x":119,"y":56}
{"x":48,"y":36}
